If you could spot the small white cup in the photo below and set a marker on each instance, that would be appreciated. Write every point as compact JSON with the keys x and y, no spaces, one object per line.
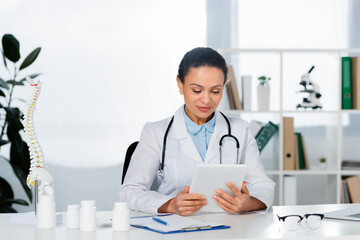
{"x":88,"y":216}
{"x":121,"y":217}
{"x":46,"y":212}
{"x":73,"y":216}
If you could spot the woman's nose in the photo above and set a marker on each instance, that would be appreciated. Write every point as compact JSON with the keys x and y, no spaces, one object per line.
{"x":205,"y":98}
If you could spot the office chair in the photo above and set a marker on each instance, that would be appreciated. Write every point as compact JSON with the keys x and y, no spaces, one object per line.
{"x":129,"y":153}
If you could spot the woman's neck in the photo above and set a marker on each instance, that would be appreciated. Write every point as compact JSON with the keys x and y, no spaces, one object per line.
{"x":197,"y":120}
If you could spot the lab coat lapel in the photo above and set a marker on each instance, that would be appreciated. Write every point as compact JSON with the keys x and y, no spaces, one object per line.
{"x":187,"y":144}
{"x":212,"y":154}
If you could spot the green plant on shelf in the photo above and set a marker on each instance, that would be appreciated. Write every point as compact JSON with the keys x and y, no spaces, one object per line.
{"x":10,"y":122}
{"x":264,"y":80}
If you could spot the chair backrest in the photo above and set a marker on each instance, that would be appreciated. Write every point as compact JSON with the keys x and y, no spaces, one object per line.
{"x":128,"y":155}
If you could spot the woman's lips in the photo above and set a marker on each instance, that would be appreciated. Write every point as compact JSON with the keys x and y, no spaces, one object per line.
{"x":204,"y":109}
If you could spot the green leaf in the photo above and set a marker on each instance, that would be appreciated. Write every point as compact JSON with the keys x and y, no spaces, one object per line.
{"x":7,"y":209}
{"x":20,"y":162}
{"x":6,"y":191}
{"x":2,"y":94}
{"x":30,"y":58}
{"x":3,"y":84}
{"x":14,"y":117}
{"x":11,"y":47}
{"x":15,"y":83}
{"x":3,"y":142}
{"x":4,"y":59}
{"x":17,"y":201}
{"x":14,"y":137}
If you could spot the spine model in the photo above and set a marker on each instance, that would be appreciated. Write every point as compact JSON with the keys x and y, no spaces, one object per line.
{"x":37,"y":165}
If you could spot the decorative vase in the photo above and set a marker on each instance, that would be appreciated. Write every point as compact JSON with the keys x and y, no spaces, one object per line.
{"x":263,"y":97}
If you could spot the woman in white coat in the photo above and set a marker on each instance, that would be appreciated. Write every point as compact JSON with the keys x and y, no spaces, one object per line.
{"x":193,"y":138}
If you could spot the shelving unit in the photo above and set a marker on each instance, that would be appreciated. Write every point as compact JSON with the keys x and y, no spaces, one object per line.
{"x":322,"y":129}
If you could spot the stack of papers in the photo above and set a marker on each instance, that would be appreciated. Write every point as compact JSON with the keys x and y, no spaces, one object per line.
{"x":171,"y":223}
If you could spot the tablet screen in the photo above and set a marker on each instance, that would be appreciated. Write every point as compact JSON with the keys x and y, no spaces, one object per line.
{"x":208,"y":178}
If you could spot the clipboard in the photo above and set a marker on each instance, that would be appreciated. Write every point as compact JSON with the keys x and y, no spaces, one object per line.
{"x":175,"y":224}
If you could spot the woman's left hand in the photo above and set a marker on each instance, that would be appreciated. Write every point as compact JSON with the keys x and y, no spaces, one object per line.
{"x":242,"y":201}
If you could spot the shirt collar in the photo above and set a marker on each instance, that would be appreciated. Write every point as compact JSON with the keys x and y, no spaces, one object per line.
{"x":193,"y":128}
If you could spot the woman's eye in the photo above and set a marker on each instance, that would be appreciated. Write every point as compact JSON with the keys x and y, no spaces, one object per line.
{"x":215,"y":92}
{"x":197,"y":91}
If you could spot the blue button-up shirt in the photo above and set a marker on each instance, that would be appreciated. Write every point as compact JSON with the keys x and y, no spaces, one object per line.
{"x":200,"y":134}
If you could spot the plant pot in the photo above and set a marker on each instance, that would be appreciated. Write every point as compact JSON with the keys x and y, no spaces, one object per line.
{"x":263,"y":97}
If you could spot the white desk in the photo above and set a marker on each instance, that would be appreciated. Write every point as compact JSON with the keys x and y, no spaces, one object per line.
{"x":250,"y":226}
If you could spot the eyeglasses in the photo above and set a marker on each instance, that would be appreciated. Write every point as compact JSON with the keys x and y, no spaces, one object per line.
{"x":292,"y":222}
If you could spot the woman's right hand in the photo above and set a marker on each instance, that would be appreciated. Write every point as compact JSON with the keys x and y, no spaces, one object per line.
{"x":184,"y":203}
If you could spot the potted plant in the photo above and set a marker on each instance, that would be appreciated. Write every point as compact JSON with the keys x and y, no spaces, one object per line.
{"x":263,"y":93}
{"x":322,"y":163}
{"x":10,"y":121}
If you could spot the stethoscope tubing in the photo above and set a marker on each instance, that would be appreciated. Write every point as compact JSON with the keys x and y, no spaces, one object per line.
{"x":162,"y":164}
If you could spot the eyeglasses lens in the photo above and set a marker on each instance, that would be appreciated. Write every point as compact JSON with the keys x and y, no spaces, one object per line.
{"x":292,"y":223}
{"x":313,"y":221}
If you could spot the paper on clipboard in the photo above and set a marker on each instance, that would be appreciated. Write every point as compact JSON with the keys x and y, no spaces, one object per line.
{"x":175,"y":224}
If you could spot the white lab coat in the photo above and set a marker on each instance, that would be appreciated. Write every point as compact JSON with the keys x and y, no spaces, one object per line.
{"x":181,"y":156}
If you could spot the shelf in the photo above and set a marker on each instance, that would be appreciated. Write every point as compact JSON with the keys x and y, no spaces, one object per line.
{"x":239,"y":50}
{"x":331,"y":133}
{"x":349,"y":172}
{"x":352,"y":111}
{"x":246,"y":112}
{"x":310,"y":112}
{"x":304,"y":172}
{"x":287,"y":112}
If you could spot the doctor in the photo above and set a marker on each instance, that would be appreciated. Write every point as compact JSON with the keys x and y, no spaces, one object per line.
{"x":193,"y":138}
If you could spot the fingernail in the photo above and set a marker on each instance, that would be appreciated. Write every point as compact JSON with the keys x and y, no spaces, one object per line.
{"x":217,"y":190}
{"x":202,"y":196}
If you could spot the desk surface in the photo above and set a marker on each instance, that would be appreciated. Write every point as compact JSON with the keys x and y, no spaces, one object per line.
{"x":249,"y":226}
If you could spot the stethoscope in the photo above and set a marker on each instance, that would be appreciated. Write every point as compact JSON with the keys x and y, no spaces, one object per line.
{"x":160,"y":172}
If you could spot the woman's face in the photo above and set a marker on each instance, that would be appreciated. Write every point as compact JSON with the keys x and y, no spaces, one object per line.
{"x":202,"y":90}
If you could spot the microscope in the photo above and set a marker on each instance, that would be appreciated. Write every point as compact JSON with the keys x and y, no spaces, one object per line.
{"x":310,"y":87}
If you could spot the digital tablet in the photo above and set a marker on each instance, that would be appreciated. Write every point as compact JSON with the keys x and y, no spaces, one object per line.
{"x":207,"y":178}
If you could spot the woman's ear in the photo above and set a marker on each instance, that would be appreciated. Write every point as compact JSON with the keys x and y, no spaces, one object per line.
{"x":180,"y":85}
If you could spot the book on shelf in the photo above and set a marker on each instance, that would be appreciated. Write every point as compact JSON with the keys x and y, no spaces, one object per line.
{"x":350,"y":165}
{"x":354,"y":188}
{"x":301,"y":158}
{"x":296,"y":152}
{"x":342,"y":200}
{"x":233,"y":91}
{"x":306,"y":156}
{"x":289,"y":143}
{"x":265,"y":134}
{"x":301,"y":155}
{"x":345,"y":198}
{"x":246,"y":92}
{"x":346,"y":99}
{"x":355,"y":82}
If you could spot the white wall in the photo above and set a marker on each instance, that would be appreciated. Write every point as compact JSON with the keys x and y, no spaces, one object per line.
{"x":108,"y":67}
